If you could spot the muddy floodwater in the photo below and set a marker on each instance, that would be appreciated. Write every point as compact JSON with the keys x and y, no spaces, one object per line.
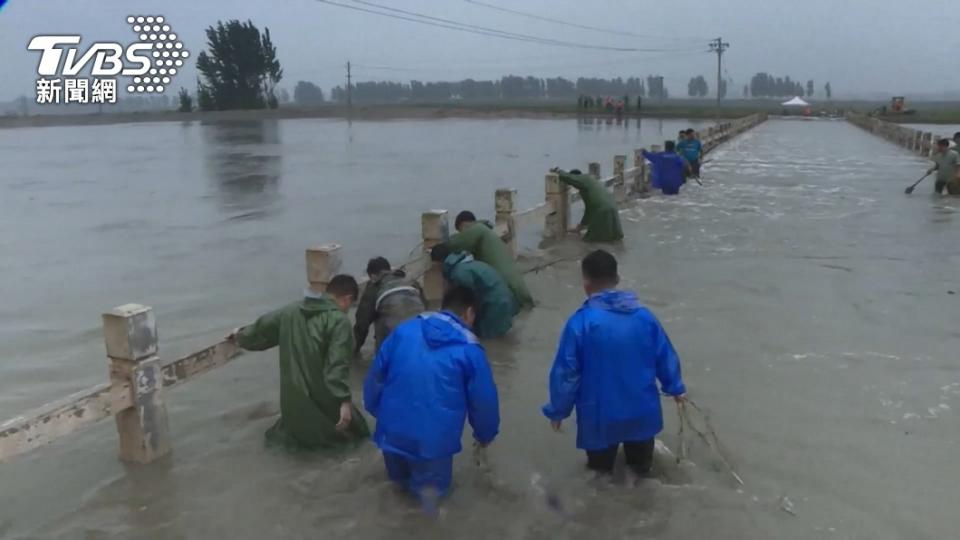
{"x":814,"y":306}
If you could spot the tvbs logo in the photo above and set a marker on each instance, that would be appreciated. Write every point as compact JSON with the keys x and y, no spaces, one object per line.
{"x":150,"y":63}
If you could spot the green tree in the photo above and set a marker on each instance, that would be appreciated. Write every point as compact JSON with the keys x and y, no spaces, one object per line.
{"x":722,"y":88}
{"x":307,"y":93}
{"x":810,"y":88}
{"x":828,"y":90}
{"x":746,"y":90}
{"x":186,"y":102}
{"x":698,"y":87}
{"x":241,"y":69}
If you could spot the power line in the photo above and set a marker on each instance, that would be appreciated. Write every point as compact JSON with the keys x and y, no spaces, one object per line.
{"x":512,"y":66}
{"x":487,"y":29}
{"x":453,"y":25}
{"x":384,"y":68}
{"x":568,"y":23}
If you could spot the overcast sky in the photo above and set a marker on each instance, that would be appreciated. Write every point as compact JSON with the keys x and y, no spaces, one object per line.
{"x":857,"y":45}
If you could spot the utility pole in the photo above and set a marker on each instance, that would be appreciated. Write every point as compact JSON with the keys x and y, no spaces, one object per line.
{"x":719,"y":46}
{"x":349,"y":87}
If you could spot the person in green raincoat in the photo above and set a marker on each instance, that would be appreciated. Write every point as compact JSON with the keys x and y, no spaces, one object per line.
{"x":482,"y":242}
{"x":316,"y":345}
{"x":496,"y":306}
{"x":601,"y":218}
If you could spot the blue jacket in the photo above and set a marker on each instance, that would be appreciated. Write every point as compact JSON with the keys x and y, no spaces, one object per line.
{"x":428,"y":377}
{"x":610,"y":356}
{"x":668,"y":169}
{"x":689,"y":149}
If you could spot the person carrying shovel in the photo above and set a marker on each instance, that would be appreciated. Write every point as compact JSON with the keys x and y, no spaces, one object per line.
{"x":945,"y":162}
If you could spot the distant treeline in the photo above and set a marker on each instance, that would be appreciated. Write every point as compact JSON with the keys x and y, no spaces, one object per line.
{"x":766,"y":85}
{"x":509,"y":87}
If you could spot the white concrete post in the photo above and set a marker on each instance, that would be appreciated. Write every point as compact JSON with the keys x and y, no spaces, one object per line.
{"x":323,"y":262}
{"x":130,"y":336}
{"x":504,"y":208}
{"x":435,"y":229}
{"x":640,"y":184}
{"x":619,"y":184}
{"x":557,"y":195}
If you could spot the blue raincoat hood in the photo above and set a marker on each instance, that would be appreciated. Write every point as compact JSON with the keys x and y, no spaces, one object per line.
{"x":615,"y":301}
{"x":445,"y":329}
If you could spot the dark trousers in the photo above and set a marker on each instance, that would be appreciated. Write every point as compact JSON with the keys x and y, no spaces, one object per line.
{"x":419,"y":476}
{"x":939,"y":185}
{"x":695,"y":168}
{"x":639,"y":457}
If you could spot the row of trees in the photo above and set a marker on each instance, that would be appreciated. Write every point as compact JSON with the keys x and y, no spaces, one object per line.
{"x":508,"y":87}
{"x":240,"y":70}
{"x":766,"y":85}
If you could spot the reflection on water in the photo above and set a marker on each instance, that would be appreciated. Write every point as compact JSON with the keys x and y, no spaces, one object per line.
{"x":591,"y":123}
{"x":587,"y":124}
{"x":244,"y":160}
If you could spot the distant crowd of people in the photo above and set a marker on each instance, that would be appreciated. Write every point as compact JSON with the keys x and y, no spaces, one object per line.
{"x":607,"y":104}
{"x":430,"y":375}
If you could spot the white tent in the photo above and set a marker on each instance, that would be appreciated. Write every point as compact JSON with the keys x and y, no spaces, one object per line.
{"x":795,"y":102}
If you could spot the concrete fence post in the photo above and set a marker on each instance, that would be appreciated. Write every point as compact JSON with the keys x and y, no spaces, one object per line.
{"x":593,"y":169}
{"x":504,"y":208}
{"x":130,"y":336}
{"x":435,"y":229}
{"x":558,"y":197}
{"x":640,"y":180}
{"x":619,"y":182}
{"x":323,"y":262}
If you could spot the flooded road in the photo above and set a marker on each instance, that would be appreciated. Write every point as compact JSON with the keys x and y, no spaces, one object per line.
{"x":208,"y":223}
{"x":814,"y":307}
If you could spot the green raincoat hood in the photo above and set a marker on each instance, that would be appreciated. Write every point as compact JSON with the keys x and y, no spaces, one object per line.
{"x":313,"y":304}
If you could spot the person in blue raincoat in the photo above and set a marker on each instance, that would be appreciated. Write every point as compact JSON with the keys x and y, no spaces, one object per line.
{"x":669,"y":169}
{"x":429,"y":376}
{"x":495,"y":303}
{"x":611,"y":353}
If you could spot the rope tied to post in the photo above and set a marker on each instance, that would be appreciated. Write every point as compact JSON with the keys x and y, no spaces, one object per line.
{"x":708,"y":435}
